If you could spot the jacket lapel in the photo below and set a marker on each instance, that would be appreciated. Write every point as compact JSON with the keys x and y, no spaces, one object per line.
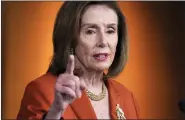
{"x":82,"y":107}
{"x":114,"y":98}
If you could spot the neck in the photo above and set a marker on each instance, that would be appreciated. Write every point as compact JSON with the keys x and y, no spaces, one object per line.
{"x":93,"y":79}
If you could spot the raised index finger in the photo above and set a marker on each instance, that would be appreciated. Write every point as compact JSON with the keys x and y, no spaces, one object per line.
{"x":70,"y":64}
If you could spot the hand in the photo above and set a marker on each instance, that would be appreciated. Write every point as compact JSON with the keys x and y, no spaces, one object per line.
{"x":68,"y":87}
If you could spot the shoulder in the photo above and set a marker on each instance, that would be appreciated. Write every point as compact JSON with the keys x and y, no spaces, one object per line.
{"x":45,"y":82}
{"x":40,"y":90}
{"x":120,"y":88}
{"x":38,"y":97}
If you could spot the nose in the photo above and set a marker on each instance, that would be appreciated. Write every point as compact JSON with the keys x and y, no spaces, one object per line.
{"x":102,"y":40}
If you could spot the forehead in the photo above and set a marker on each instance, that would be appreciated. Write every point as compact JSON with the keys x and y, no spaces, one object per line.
{"x":99,"y":14}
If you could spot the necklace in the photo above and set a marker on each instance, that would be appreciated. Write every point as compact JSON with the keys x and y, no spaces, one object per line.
{"x":99,"y":97}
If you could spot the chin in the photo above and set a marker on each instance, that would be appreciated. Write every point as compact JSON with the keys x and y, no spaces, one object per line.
{"x":102,"y":66}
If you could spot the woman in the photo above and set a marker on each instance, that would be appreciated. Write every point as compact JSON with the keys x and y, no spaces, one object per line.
{"x":89,"y":38}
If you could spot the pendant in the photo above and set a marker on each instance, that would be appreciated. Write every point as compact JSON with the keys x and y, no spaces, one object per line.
{"x":120,"y":113}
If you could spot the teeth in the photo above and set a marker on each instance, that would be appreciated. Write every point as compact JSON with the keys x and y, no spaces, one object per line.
{"x":101,"y":56}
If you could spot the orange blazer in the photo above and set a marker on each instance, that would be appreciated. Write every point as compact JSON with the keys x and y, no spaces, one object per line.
{"x":39,"y":95}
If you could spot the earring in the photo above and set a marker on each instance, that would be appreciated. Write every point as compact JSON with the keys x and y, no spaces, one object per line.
{"x":71,"y":51}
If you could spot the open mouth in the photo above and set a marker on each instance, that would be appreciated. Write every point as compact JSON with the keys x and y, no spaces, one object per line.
{"x":101,"y":56}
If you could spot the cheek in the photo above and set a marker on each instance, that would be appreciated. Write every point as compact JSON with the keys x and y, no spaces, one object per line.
{"x":84,"y":51}
{"x":81,"y":51}
{"x":85,"y":44}
{"x":113,"y":44}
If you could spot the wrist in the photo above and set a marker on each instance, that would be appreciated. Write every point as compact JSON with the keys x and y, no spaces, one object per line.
{"x":54,"y":113}
{"x":56,"y":109}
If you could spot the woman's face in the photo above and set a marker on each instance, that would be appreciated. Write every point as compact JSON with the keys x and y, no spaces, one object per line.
{"x":98,"y":38}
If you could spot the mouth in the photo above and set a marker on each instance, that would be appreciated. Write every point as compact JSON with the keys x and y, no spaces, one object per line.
{"x":101,"y":56}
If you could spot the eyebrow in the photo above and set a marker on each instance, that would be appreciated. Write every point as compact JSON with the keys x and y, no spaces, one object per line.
{"x":89,"y":24}
{"x":92,"y":25}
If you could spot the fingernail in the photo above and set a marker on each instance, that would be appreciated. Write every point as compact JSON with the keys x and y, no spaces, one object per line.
{"x":79,"y":95}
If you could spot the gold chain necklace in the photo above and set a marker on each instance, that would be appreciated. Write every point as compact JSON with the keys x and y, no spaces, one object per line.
{"x":99,"y":97}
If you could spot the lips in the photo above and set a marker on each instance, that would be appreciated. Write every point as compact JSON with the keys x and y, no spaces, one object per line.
{"x":101,"y":56}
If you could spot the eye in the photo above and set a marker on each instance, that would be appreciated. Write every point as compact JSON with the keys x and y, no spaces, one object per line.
{"x":111,"y":31}
{"x":90,"y":31}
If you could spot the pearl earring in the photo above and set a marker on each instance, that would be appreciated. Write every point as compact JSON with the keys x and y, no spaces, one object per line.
{"x":71,"y":51}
